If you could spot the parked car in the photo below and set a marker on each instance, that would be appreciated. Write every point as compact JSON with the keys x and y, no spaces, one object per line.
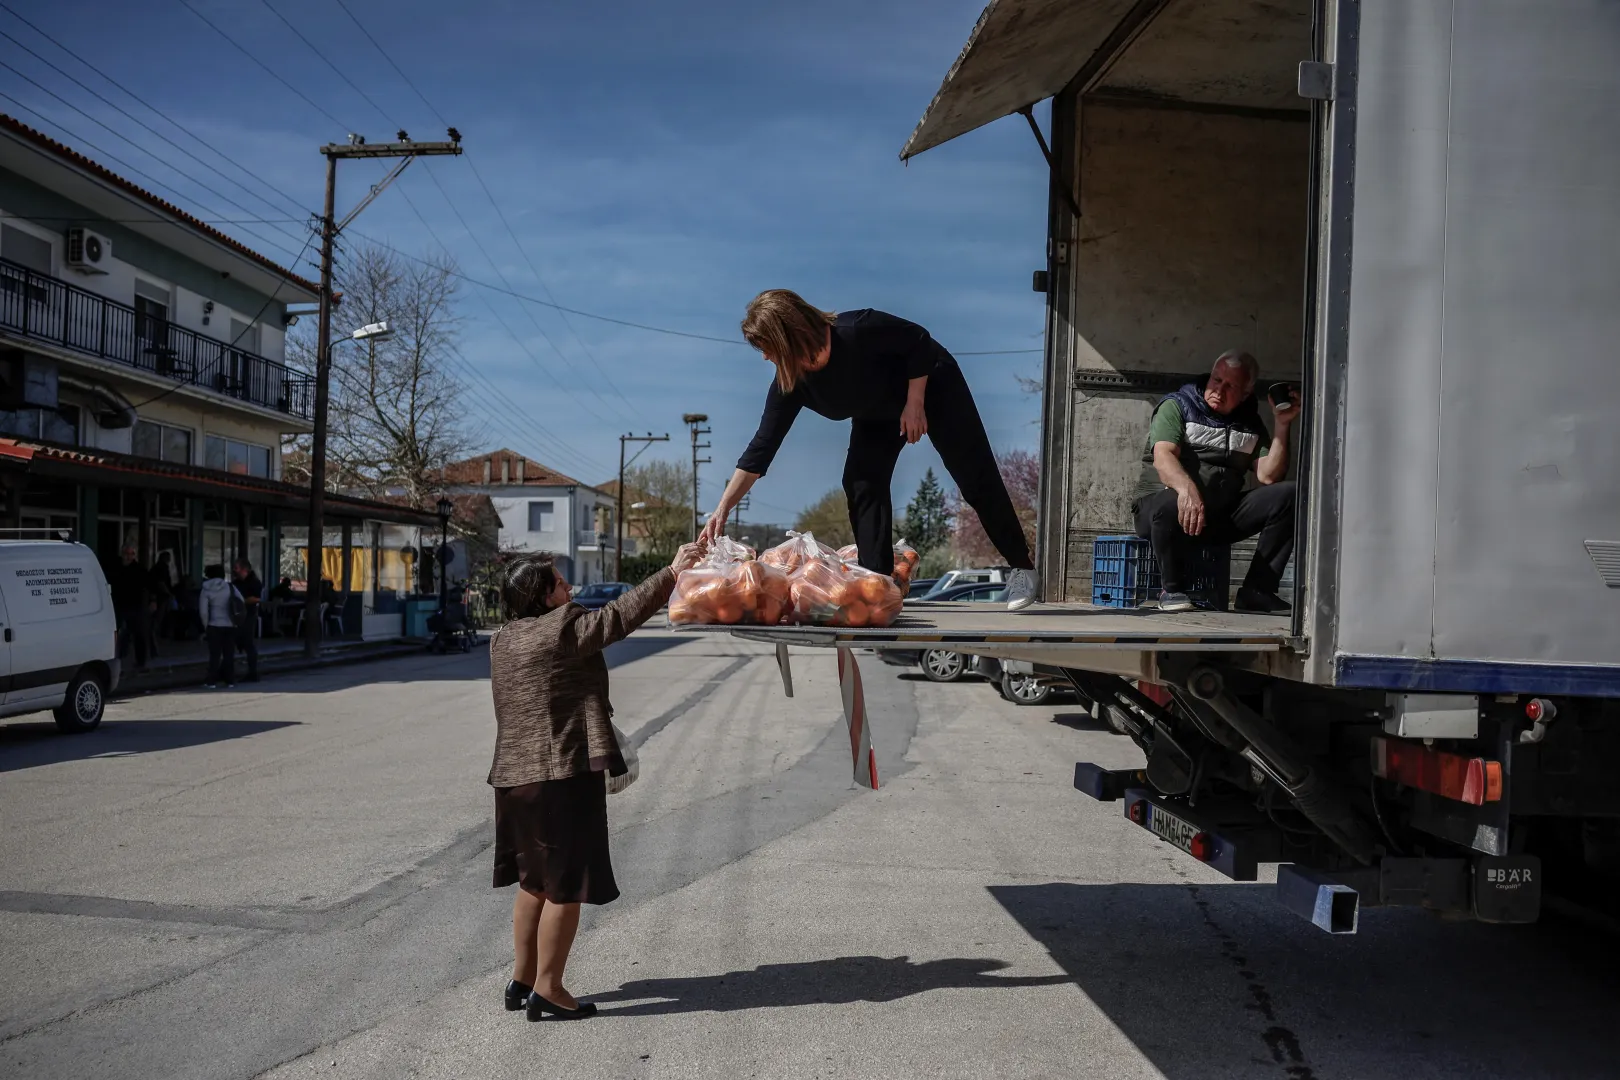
{"x":599,"y":594}
{"x":921,"y":585}
{"x":1022,"y":682}
{"x":946,"y":665}
{"x":957,"y":578}
{"x":61,"y":637}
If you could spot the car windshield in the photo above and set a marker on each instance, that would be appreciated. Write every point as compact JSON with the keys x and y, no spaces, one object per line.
{"x":600,"y":589}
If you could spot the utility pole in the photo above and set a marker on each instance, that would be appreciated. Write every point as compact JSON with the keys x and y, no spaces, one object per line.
{"x":618,"y":517}
{"x":407,"y":152}
{"x":736,"y":516}
{"x":695,"y":421}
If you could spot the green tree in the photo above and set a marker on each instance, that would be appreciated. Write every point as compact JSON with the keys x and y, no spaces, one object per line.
{"x":828,"y":518}
{"x":927,"y":523}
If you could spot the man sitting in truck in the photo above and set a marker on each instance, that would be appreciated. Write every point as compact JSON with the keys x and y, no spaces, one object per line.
{"x":1202,"y":444}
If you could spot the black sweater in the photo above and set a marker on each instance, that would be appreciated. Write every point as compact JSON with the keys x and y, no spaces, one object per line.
{"x":874,"y":356}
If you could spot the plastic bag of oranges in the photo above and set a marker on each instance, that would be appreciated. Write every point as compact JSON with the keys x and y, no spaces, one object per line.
{"x":905,"y":563}
{"x":731,"y":588}
{"x":827,"y":591}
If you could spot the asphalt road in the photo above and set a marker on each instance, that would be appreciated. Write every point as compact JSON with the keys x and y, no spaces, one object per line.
{"x":294,"y":882}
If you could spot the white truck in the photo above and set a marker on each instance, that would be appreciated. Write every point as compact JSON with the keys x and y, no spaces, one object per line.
{"x":1410,"y":208}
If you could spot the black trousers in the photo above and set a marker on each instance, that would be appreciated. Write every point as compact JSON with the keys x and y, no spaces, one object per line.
{"x":1266,"y":511}
{"x":222,"y":654}
{"x":134,"y":628}
{"x":246,"y":643}
{"x":958,"y":434}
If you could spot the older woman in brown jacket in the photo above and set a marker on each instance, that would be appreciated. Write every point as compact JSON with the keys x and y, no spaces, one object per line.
{"x":554,"y":747}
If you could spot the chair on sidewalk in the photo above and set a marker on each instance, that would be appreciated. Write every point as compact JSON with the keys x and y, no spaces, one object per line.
{"x":299,"y":630}
{"x":332,"y":619}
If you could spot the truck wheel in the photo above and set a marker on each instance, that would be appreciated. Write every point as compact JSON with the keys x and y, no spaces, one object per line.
{"x":84,"y":704}
{"x":942,"y":665}
{"x":1023,"y":690}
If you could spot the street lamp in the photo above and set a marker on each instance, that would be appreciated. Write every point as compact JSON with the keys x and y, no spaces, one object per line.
{"x":445,"y":507}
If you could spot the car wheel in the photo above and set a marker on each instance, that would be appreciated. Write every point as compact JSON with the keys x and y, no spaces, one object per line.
{"x":1023,"y":689}
{"x":942,"y":665}
{"x":84,"y":704}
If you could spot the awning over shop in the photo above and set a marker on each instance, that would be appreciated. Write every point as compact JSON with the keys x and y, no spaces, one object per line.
{"x":1020,"y":52}
{"x":101,"y":467}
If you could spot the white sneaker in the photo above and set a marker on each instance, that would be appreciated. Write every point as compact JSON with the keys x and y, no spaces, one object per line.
{"x":1023,"y":589}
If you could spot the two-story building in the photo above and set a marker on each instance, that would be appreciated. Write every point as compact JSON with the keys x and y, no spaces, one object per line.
{"x":541,"y":509}
{"x":144,"y":388}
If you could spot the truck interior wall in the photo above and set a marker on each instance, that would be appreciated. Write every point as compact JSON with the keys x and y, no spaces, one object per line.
{"x":1191,"y":241}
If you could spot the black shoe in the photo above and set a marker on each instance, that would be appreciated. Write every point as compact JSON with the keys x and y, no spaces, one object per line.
{"x":517,"y":995}
{"x":1259,"y":602}
{"x":539,"y":1008}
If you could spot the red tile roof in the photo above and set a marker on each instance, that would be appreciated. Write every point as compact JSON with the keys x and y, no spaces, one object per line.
{"x":67,"y":153}
{"x":471,"y":472}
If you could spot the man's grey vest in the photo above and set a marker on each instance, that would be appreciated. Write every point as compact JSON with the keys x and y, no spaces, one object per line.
{"x":1224,"y":447}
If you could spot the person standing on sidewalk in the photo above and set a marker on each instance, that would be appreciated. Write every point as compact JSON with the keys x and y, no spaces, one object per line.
{"x":131,"y":597}
{"x":252,"y":590}
{"x":219,"y":604}
{"x":554,"y":749}
{"x":894,"y":383}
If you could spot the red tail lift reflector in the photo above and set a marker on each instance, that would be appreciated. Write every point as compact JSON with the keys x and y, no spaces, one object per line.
{"x":1475,"y":781}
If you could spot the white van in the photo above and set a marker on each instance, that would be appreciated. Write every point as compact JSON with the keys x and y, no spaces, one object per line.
{"x":58,"y":633}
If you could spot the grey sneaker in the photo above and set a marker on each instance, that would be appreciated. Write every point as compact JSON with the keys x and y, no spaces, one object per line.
{"x":1175,"y":601}
{"x":1023,"y":589}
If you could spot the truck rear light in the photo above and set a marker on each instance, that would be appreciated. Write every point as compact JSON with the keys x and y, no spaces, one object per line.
{"x":1138,"y":812}
{"x":1199,"y":847}
{"x":1540,"y":710}
{"x":1475,"y":781}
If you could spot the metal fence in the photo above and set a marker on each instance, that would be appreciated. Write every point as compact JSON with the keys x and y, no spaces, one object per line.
{"x":47,"y":309}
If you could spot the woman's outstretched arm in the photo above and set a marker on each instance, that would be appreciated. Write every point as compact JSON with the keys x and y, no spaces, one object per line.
{"x":593,"y":631}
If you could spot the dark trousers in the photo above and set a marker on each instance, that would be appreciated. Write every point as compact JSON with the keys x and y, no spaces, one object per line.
{"x":246,"y":644}
{"x":1266,"y":511}
{"x":222,"y":654}
{"x":958,"y":434}
{"x":134,"y":625}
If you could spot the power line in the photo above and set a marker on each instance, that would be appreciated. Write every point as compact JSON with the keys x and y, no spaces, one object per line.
{"x":500,"y":274}
{"x":154,"y":181}
{"x":361,"y":26}
{"x":497,"y":316}
{"x":136,"y":120}
{"x":288,"y":199}
{"x":324,"y":59}
{"x":501,"y":214}
{"x":542,"y":281}
{"x":266,"y":68}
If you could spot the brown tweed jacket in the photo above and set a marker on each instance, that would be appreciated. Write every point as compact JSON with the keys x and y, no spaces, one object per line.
{"x":552,"y":716}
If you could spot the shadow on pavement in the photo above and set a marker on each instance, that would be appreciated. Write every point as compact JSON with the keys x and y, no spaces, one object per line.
{"x":30,"y":745}
{"x":1220,"y":980}
{"x":1081,"y":721}
{"x":845,"y":980}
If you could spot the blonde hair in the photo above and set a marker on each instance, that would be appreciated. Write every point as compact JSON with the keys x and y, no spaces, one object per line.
{"x":787,"y":330}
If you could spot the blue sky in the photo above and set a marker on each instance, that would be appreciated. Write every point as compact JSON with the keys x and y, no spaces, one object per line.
{"x":659,"y":163}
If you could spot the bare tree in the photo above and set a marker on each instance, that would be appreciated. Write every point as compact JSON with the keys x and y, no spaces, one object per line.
{"x":396,"y":415}
{"x":666,"y":488}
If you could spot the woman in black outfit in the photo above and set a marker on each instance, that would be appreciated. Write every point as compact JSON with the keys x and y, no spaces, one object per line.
{"x":895,"y":384}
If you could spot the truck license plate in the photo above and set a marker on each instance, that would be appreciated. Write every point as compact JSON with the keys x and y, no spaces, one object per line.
{"x":1166,"y":826}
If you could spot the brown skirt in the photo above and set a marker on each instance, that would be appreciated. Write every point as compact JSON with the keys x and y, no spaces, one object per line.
{"x":551,"y":837}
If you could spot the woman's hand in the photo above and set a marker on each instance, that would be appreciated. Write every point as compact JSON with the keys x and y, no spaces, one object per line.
{"x":715,"y":527}
{"x":913,"y":421}
{"x":688,"y":556}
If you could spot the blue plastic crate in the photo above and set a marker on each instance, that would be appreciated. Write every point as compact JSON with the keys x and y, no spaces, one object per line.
{"x":1124,"y":573}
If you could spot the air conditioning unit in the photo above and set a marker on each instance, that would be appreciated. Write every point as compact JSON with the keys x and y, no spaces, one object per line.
{"x":88,"y":252}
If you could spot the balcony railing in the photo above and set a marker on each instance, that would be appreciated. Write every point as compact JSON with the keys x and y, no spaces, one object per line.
{"x":47,"y":309}
{"x":591,"y":538}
